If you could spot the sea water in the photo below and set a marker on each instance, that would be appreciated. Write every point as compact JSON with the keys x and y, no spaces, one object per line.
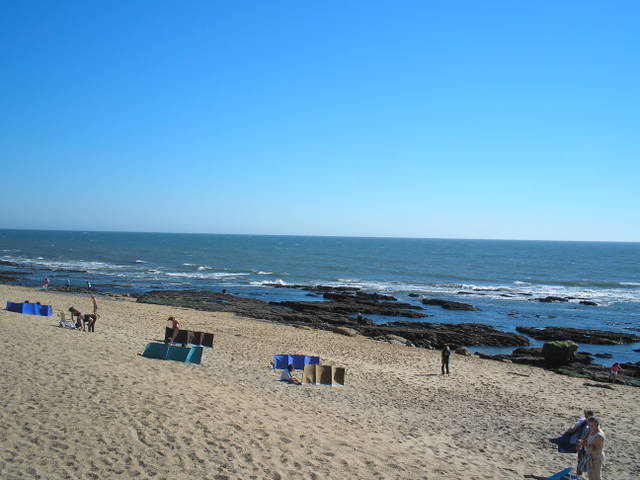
{"x":502,"y":278}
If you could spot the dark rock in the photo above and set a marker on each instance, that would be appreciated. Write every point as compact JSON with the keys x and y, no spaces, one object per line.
{"x":71,"y":289}
{"x":448,"y":305}
{"x":600,"y":337}
{"x":7,"y":278}
{"x":588,"y":302}
{"x":437,"y":335}
{"x":358,"y":297}
{"x":631,"y":369}
{"x":351,"y":307}
{"x":550,"y":299}
{"x":558,"y":353}
{"x":426,"y":335}
{"x":9,"y":264}
{"x":413,"y":295}
{"x":603,"y":355}
{"x":68,"y":270}
{"x":581,"y":367}
{"x":395,"y":340}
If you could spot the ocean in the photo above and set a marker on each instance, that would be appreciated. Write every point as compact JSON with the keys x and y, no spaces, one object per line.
{"x":500,"y":277}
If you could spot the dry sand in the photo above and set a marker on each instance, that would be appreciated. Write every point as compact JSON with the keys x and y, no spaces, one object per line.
{"x":87,"y":406}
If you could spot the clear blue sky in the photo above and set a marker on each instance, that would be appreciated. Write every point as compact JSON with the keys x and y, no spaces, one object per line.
{"x":472,"y":119}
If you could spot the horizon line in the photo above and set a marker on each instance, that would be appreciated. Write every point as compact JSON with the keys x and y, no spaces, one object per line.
{"x":316,"y":236}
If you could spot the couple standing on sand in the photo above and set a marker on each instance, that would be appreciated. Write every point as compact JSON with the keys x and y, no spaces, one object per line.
{"x":587,"y":438}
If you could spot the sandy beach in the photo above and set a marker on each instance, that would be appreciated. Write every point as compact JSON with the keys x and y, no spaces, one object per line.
{"x":79,"y":405}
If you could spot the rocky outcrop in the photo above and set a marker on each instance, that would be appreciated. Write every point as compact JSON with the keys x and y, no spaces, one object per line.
{"x":447,"y":304}
{"x":328,"y":315}
{"x":598,"y":337}
{"x":353,"y":306}
{"x":9,"y":264}
{"x":581,"y":366}
{"x":395,"y":340}
{"x":550,"y":299}
{"x":558,"y":353}
{"x":589,"y":303}
{"x":349,"y":332}
{"x":463,"y":351}
{"x":437,"y":335}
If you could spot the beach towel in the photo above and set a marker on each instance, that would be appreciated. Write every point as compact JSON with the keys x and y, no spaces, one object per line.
{"x":173,"y":352}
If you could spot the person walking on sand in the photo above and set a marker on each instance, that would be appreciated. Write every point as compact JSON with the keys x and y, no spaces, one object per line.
{"x":593,"y":443}
{"x":45,"y":284}
{"x":446,"y":353}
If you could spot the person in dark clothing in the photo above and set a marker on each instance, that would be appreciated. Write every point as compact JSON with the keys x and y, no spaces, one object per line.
{"x":446,"y":353}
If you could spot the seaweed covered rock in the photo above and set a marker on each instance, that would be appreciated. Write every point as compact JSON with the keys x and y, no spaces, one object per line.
{"x":559,"y":352}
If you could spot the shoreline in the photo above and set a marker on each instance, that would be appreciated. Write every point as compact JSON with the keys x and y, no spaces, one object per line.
{"x":480,"y":335}
{"x":395,"y":417}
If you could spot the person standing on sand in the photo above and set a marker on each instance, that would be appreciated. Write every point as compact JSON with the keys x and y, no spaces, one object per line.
{"x":175,"y":325}
{"x":593,"y":443}
{"x":446,"y":353}
{"x":95,"y":305}
{"x":45,"y":284}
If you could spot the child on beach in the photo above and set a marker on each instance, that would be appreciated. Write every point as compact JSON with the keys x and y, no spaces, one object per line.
{"x":613,"y":372}
{"x":173,"y":323}
{"x":287,"y":376}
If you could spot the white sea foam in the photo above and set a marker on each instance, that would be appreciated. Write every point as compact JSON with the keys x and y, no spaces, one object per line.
{"x":499,"y":292}
{"x":266,"y":283}
{"x":140,"y":261}
{"x":89,"y":266}
{"x":205,"y":276}
{"x":204,"y":268}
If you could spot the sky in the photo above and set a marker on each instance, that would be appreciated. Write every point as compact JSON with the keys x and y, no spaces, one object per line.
{"x":451,"y":119}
